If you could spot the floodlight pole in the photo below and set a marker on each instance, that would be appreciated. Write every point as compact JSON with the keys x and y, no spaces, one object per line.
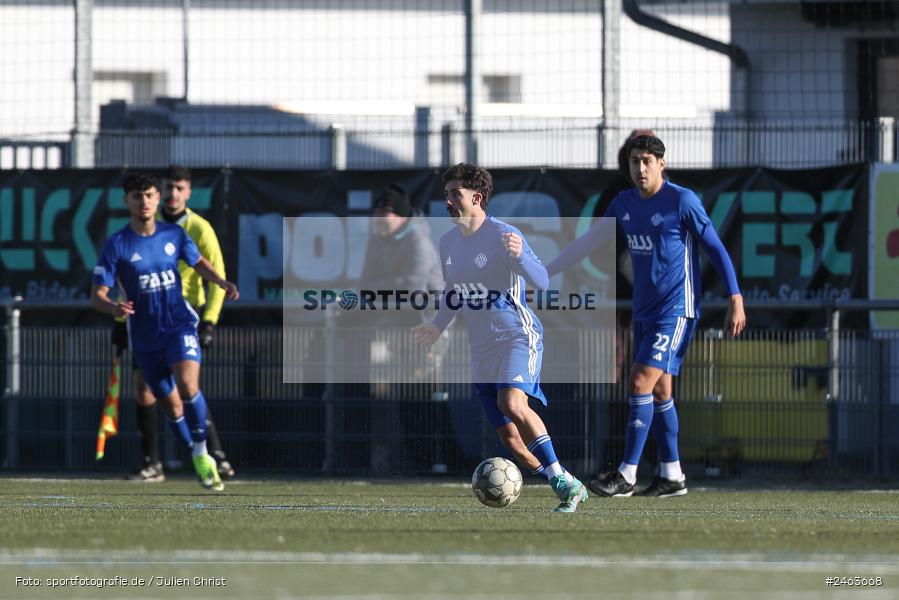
{"x":608,"y":141}
{"x":82,"y":153}
{"x":185,"y":47}
{"x":472,"y":79}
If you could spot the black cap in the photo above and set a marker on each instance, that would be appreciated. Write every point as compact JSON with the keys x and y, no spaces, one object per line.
{"x":394,"y":198}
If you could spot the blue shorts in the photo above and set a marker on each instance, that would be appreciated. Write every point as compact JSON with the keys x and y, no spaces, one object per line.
{"x":662,"y":343}
{"x":517,"y":366}
{"x":156,"y":365}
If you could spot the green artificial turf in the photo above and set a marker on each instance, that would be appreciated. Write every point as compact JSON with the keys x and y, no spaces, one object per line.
{"x":416,"y":539}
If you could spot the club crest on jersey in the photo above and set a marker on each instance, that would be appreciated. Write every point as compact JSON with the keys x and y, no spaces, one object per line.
{"x":480,"y":260}
{"x":639,"y":243}
{"x":169,"y":248}
{"x":656,"y":219}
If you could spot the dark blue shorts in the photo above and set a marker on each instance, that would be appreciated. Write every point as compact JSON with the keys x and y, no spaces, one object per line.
{"x":156,"y":365}
{"x":662,"y":343}
{"x":516,"y":366}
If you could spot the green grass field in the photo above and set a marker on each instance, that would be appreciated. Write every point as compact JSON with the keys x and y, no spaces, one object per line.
{"x":336,"y":539}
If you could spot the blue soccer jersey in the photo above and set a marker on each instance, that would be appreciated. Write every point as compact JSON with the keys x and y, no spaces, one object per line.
{"x":662,"y":237}
{"x":487,"y":285}
{"x":145,"y":268}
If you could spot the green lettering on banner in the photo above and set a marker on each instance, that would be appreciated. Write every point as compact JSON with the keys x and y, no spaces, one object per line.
{"x":837,"y":201}
{"x":722,"y":207}
{"x":836,"y":261}
{"x":755,"y":235}
{"x":797,"y":203}
{"x":115,"y":200}
{"x":79,"y":227}
{"x":200,"y":199}
{"x":758,"y":203}
{"x":27,"y":214}
{"x":13,"y":259}
{"x":797,"y":234}
{"x":584,"y":223}
{"x":57,"y":201}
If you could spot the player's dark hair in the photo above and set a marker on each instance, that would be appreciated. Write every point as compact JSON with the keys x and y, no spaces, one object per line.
{"x":472,"y":177}
{"x":647,"y":143}
{"x":139,"y":182}
{"x":177,"y":173}
{"x":624,"y":151}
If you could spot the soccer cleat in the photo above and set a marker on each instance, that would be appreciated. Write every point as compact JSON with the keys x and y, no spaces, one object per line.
{"x":571,"y":494}
{"x":226,"y":471}
{"x":612,"y":485}
{"x":150,"y":473}
{"x":665,"y":488}
{"x":208,"y":473}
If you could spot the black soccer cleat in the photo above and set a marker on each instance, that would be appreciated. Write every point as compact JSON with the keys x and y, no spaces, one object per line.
{"x":611,"y":485}
{"x":149,"y":473}
{"x":665,"y":488}
{"x":226,"y":471}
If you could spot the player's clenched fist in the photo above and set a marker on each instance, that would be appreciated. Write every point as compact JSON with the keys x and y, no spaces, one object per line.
{"x":512,"y":242}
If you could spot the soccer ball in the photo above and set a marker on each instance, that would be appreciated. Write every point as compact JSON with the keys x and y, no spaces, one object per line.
{"x":496,"y":482}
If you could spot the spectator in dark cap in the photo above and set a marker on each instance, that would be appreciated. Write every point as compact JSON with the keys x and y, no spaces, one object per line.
{"x":400,"y":256}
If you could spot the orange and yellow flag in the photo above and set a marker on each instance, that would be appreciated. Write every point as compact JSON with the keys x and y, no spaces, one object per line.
{"x":109,"y":420}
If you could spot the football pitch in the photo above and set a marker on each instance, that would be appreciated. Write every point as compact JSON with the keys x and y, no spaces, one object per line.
{"x":88,"y":538}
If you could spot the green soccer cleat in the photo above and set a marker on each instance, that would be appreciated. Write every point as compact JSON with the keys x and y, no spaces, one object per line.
{"x":208,"y":473}
{"x":571,"y":494}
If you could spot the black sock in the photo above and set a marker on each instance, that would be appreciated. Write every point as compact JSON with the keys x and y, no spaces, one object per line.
{"x":149,"y":437}
{"x":213,"y":444}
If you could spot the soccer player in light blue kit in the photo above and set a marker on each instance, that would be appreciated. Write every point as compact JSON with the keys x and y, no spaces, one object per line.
{"x":662,"y":223}
{"x":486,"y":264}
{"x":141,"y":259}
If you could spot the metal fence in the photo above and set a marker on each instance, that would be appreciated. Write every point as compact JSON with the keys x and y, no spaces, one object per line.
{"x":773,"y":403}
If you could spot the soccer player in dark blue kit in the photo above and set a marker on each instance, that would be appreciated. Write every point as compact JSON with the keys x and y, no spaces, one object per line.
{"x":662,"y":223}
{"x":486,"y":264}
{"x":141,"y":259}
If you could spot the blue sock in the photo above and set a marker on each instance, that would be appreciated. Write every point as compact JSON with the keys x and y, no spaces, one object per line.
{"x":639,"y":419}
{"x":539,"y":471}
{"x":179,"y":426}
{"x":195,"y":413}
{"x":664,"y":428}
{"x":542,"y":448}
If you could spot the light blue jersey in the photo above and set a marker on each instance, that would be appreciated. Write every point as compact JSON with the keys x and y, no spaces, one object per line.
{"x":488,"y":286}
{"x":145,"y":268}
{"x":662,"y":236}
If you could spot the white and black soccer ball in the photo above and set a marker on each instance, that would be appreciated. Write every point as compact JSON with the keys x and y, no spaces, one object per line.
{"x":496,"y":482}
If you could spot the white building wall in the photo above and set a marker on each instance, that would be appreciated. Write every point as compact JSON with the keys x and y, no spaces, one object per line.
{"x":374,"y":58}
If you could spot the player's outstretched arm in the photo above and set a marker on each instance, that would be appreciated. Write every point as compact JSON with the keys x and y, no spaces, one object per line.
{"x":207,"y":272}
{"x":578,"y":250}
{"x":101,"y":302}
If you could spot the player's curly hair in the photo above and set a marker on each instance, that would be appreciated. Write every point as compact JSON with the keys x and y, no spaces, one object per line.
{"x":472,"y":177}
{"x":139,"y":182}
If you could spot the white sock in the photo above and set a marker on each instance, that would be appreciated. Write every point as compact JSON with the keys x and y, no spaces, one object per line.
{"x":199,"y":448}
{"x":671,"y":471}
{"x":554,"y":470}
{"x":629,"y":472}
